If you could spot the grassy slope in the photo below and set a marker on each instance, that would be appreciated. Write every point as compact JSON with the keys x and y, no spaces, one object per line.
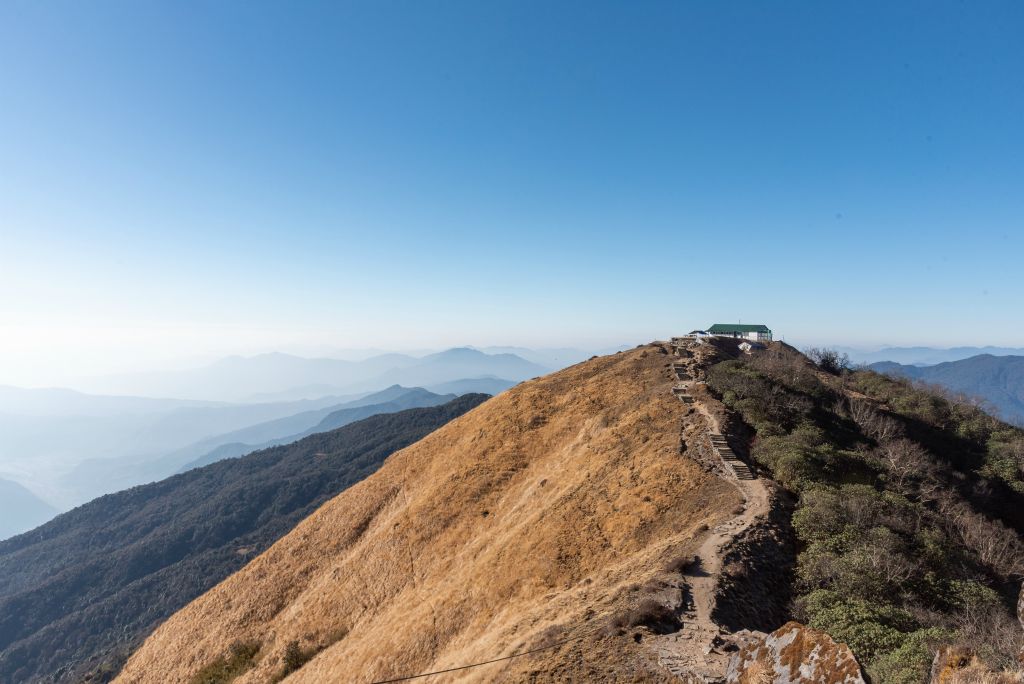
{"x":527,"y":520}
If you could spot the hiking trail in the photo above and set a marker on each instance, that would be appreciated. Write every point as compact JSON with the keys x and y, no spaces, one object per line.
{"x":696,"y":653}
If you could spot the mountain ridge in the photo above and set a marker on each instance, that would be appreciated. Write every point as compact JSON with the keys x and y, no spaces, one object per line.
{"x":562,"y":487}
{"x":633,"y":518}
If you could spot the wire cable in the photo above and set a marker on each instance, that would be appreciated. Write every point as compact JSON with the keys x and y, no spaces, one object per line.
{"x":486,"y":662}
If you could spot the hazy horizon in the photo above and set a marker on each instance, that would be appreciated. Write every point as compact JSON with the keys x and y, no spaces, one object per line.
{"x":200,"y":361}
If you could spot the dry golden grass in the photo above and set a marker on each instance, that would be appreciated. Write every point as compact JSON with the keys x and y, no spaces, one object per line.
{"x":515,"y":526}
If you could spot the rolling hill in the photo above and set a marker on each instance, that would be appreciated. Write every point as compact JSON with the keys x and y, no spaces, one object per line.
{"x":490,"y":386}
{"x":39,"y":449}
{"x":77,"y":594}
{"x":65,"y":402}
{"x":999,"y":380}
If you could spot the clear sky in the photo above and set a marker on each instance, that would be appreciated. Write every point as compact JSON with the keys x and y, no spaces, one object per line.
{"x":183,"y":179}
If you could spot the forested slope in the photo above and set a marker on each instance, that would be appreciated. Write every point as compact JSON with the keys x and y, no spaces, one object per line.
{"x":911,"y":507}
{"x":79,"y":593}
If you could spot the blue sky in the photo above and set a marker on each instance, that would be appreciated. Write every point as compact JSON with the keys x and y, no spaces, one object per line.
{"x":192,"y":178}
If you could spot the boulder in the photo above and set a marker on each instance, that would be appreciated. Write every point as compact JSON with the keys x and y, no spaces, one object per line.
{"x":794,"y":654}
{"x":960,"y":665}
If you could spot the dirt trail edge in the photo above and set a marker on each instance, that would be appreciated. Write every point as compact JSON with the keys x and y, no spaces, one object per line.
{"x":698,"y":652}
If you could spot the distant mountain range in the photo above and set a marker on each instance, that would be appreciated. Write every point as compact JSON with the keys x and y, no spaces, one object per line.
{"x":20,"y":509}
{"x":400,"y":398}
{"x":925,"y":356}
{"x":79,"y":593}
{"x":67,"y":446}
{"x":997,"y":379}
{"x":94,"y":477}
{"x":279,"y":375}
{"x":37,"y":450}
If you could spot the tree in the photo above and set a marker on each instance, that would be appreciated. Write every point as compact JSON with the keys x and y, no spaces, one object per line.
{"x":829,"y":360}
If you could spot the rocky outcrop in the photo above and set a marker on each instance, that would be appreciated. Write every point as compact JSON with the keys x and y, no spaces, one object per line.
{"x":794,"y":654}
{"x":960,"y":665}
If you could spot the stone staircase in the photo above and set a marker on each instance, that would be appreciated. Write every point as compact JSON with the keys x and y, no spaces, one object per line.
{"x":682,"y":370}
{"x":737,"y":465}
{"x":690,"y":357}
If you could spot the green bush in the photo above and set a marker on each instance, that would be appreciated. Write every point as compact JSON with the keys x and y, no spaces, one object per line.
{"x":868,"y":627}
{"x":895,"y":553}
{"x":911,"y":662}
{"x":241,"y":657}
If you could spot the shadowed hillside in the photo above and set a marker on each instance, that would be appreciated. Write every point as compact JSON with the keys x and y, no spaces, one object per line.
{"x":534,"y":519}
{"x":78,"y":594}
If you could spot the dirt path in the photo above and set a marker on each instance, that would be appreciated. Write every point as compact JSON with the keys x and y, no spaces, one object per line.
{"x":755,"y":504}
{"x":691,"y":654}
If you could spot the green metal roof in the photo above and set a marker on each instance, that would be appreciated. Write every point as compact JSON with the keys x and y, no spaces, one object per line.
{"x":721,"y":328}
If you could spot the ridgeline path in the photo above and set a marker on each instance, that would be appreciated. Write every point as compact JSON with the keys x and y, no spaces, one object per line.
{"x":693,"y":653}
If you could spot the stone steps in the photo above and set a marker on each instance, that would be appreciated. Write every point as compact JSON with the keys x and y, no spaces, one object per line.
{"x":737,"y":465}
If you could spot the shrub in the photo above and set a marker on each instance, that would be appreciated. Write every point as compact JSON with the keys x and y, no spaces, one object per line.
{"x":903,"y":523}
{"x":868,"y":627}
{"x":683,"y":564}
{"x":295,"y":657}
{"x":240,"y":657}
{"x":829,"y":360}
{"x":911,"y":662}
{"x":655,"y":615}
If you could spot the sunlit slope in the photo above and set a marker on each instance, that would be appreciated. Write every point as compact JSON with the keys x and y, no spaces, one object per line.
{"x":522,"y":522}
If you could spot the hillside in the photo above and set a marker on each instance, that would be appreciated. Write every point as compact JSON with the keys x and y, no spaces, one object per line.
{"x":561,"y":519}
{"x":540,"y":516}
{"x":999,"y":380}
{"x":78,"y":593}
{"x":492,"y":386}
{"x":20,"y":509}
{"x":909,"y":514}
{"x":58,"y":401}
